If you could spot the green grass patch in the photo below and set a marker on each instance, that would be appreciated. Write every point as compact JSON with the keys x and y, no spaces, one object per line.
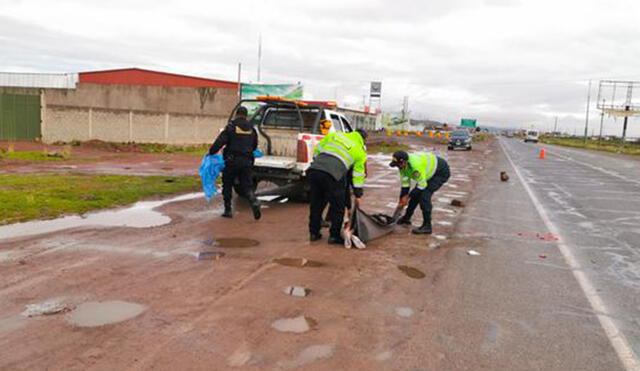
{"x":606,"y":146}
{"x":26,"y":196}
{"x":196,"y":150}
{"x":32,"y":156}
{"x":387,"y":147}
{"x":481,"y":137}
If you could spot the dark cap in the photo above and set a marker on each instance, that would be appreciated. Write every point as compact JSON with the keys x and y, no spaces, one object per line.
{"x":363,"y":133}
{"x":242,"y":111}
{"x":399,"y":156}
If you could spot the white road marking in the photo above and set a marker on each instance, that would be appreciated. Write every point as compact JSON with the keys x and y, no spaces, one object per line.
{"x":444,"y":210}
{"x":616,"y":337}
{"x":597,"y":168}
{"x":370,"y":185}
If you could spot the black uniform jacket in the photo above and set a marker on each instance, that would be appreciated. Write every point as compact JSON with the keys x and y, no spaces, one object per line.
{"x":239,"y":139}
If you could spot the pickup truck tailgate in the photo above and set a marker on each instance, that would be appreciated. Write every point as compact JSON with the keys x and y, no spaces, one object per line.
{"x":278,"y":162}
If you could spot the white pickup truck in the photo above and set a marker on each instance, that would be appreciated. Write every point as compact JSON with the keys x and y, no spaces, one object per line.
{"x":288,"y":132}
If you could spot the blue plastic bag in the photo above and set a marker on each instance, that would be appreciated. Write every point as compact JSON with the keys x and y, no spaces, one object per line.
{"x":211,"y":167}
{"x":257,"y":153}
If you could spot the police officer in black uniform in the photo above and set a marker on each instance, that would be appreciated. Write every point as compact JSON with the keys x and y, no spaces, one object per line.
{"x":239,"y":139}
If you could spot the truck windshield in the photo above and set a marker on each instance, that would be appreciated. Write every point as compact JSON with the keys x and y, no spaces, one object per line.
{"x":532,"y":133}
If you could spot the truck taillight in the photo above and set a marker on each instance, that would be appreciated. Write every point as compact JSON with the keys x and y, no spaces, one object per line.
{"x":302,"y":154}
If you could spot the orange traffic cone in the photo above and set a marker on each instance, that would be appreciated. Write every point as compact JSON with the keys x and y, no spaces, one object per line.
{"x":541,"y":155}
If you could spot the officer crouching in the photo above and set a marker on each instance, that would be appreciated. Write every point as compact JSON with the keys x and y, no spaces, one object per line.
{"x":335,"y":155}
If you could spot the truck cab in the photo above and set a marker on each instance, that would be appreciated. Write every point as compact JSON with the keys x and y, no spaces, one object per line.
{"x":288,"y":132}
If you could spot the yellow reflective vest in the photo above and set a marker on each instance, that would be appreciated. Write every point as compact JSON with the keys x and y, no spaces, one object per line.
{"x":420,"y":168}
{"x":349,"y":149}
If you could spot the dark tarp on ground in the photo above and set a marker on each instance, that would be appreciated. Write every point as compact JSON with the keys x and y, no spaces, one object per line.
{"x":369,"y":227}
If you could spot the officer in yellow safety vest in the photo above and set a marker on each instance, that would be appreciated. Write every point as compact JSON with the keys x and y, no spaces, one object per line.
{"x":429,"y":172}
{"x":334,"y":156}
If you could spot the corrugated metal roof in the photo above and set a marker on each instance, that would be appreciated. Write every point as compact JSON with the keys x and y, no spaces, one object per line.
{"x":39,"y":80}
{"x":139,"y":76}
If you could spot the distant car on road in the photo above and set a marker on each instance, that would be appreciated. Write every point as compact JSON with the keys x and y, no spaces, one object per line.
{"x":532,"y":135}
{"x":460,"y":139}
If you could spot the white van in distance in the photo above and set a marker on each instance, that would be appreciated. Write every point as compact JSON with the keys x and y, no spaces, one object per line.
{"x":532,"y":135}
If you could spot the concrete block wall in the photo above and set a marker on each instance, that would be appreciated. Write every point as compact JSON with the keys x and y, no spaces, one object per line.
{"x":143,"y":114}
{"x":64,"y":124}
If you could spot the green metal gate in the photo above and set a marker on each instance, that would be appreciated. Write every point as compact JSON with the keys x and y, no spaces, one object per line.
{"x":19,"y":117}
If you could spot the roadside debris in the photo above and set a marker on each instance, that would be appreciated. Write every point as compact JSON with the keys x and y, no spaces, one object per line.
{"x":411,"y":272}
{"x":540,"y":236}
{"x":298,"y":291}
{"x":473,"y":253}
{"x":298,"y":324}
{"x":457,"y":203}
{"x":48,"y":307}
{"x":504,"y":176}
{"x":298,"y":262}
{"x":542,"y":256}
{"x":235,"y":242}
{"x":405,"y":312}
{"x":547,"y":236}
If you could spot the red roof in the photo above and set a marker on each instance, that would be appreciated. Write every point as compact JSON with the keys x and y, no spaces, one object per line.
{"x":138,"y":76}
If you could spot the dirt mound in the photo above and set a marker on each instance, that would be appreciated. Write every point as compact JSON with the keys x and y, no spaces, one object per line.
{"x":100,"y":145}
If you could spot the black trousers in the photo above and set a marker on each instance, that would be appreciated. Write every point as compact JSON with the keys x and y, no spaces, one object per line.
{"x":423,"y":197}
{"x":238,"y":175}
{"x":325,"y":189}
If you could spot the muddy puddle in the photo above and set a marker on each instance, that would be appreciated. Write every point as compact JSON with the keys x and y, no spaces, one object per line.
{"x":411,"y":271}
{"x":140,"y":215}
{"x":298,"y":262}
{"x":298,"y":324}
{"x":210,"y":255}
{"x":94,"y":314}
{"x":235,"y":242}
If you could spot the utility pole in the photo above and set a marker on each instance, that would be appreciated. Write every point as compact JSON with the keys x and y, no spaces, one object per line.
{"x":239,"y":80}
{"x":259,"y":54}
{"x":555,"y":127}
{"x":601,"y":121}
{"x":627,"y":107}
{"x":586,"y":123}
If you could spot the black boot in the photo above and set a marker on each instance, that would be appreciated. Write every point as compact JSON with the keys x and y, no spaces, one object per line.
{"x":335,"y":240}
{"x":404,"y":221}
{"x":228,"y":213}
{"x":424,"y":229}
{"x":315,"y":236}
{"x":255,"y":206}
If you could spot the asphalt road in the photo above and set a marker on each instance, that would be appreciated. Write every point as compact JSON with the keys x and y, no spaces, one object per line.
{"x":590,"y":201}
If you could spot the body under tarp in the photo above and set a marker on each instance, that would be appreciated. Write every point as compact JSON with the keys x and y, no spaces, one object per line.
{"x":369,"y":227}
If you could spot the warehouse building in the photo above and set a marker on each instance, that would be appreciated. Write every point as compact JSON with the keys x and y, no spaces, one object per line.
{"x":125,"y":105}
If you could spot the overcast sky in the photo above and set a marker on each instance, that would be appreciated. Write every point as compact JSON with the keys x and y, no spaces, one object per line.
{"x":505,"y":62}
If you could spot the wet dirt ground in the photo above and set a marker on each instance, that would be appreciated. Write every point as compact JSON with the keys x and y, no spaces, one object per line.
{"x":363,"y":311}
{"x":91,"y":160}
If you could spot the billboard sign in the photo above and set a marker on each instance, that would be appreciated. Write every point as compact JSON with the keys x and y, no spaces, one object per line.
{"x":376,"y":89}
{"x":468,"y":123}
{"x":286,"y":91}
